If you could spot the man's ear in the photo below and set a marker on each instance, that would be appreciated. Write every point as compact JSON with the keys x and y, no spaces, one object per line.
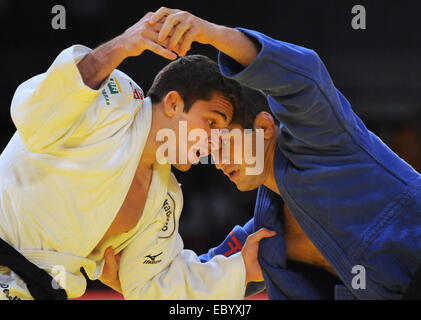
{"x":173,"y":104}
{"x":264,"y":120}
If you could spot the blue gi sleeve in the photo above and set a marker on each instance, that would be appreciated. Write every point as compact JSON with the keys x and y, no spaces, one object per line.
{"x":233,"y":243}
{"x":313,"y":113}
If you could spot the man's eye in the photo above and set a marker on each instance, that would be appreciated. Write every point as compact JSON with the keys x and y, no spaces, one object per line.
{"x":211,"y":122}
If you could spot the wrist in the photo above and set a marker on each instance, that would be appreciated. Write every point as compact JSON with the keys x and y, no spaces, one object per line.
{"x":235,"y":44}
{"x":217,"y":35}
{"x":120,"y":48}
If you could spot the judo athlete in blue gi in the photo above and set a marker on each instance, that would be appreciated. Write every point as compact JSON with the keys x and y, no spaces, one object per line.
{"x":343,"y":205}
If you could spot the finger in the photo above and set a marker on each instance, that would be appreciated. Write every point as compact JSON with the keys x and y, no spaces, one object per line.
{"x":160,"y":22}
{"x":108,"y":252}
{"x":148,"y":15}
{"x":153,"y":36}
{"x":169,"y":23}
{"x":109,"y":256}
{"x":262,"y":233}
{"x":186,"y":43}
{"x":179,"y":31}
{"x":161,"y":13}
{"x":158,"y":15}
{"x":117,"y":259}
{"x":156,"y":48}
{"x":156,"y":28}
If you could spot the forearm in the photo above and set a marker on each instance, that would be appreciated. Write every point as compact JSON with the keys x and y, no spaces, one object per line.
{"x":284,"y":66}
{"x":98,"y":64}
{"x":233,"y":43}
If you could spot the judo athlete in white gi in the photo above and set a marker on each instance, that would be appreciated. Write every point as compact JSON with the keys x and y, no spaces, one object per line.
{"x":80,"y":175}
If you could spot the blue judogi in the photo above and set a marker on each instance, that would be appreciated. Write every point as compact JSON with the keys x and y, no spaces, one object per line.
{"x":357,"y":201}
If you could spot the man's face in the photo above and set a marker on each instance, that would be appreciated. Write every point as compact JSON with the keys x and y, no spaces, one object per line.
{"x":238,"y":171}
{"x":217,"y":113}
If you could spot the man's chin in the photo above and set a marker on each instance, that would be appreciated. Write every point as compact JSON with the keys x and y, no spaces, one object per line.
{"x":182,"y":167}
{"x":243,"y":187}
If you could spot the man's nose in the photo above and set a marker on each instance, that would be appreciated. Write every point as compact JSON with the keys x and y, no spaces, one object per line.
{"x":215,"y":150}
{"x":206,"y":150}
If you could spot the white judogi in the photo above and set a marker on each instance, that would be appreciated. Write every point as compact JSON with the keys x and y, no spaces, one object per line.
{"x":65,"y":174}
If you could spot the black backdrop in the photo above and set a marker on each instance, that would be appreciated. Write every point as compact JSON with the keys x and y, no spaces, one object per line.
{"x":377,"y":69}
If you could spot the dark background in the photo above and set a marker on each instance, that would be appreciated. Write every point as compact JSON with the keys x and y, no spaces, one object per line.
{"x":377,"y":69}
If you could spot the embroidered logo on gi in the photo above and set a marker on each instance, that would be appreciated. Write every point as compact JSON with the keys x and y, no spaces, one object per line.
{"x":234,"y":245}
{"x":150,"y":259}
{"x":137,"y":94}
{"x":106,"y":97}
{"x":168,"y":213}
{"x":6,"y":292}
{"x":114,"y":86}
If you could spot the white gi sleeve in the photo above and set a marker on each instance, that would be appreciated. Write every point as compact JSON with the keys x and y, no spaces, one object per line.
{"x":162,"y":270}
{"x":45,"y":107}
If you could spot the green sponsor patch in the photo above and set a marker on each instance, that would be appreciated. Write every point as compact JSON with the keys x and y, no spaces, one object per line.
{"x":107,"y":99}
{"x":112,"y":85}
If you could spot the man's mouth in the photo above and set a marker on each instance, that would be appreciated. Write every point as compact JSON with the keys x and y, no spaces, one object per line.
{"x":232,"y":173}
{"x":196,"y":157}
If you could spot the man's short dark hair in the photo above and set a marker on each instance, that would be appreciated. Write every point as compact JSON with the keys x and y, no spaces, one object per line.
{"x":252,"y":102}
{"x":194,"y":77}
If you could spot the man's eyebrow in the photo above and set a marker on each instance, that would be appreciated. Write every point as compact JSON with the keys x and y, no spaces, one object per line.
{"x":221,"y":114}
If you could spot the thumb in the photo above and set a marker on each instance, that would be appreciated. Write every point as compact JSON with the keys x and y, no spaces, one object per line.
{"x":262,"y":233}
{"x":250,"y":254}
{"x":117,"y":258}
{"x":110,"y":258}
